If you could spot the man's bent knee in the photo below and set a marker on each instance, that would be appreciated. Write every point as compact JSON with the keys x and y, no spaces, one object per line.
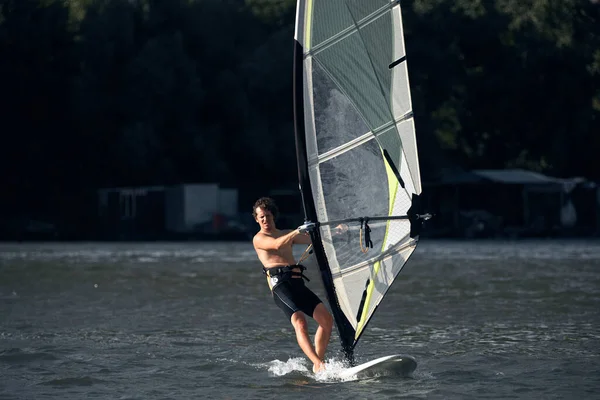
{"x":322,"y":316}
{"x":299,"y":322}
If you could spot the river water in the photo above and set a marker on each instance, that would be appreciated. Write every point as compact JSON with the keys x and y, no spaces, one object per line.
{"x":483,"y":319}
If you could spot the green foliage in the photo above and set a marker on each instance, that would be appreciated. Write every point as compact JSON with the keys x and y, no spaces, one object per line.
{"x":271,"y":11}
{"x":507,"y":83}
{"x":112,"y":92}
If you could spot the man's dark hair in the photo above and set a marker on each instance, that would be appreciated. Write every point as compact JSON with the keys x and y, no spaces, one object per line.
{"x":268,"y":204}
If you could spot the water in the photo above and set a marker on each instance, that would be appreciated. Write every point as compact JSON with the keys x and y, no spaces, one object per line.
{"x":196,"y":320}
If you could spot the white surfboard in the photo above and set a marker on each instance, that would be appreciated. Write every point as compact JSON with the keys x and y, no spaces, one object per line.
{"x":394,"y":365}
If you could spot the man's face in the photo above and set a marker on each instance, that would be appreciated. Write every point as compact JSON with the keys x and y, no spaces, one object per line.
{"x":265,"y":219}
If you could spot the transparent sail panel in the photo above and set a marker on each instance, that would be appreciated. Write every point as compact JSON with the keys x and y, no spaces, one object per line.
{"x":349,"y":66}
{"x":336,"y":119}
{"x":352,"y":188}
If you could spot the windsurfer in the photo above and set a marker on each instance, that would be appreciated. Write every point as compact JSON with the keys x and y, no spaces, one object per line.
{"x":274,"y":250}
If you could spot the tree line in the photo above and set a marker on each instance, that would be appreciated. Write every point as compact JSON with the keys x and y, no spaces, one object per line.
{"x":103,"y":93}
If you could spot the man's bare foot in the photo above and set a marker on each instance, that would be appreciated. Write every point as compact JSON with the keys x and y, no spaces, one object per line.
{"x":320,"y":366}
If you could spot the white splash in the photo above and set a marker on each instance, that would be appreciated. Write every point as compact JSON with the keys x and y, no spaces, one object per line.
{"x":280,"y":368}
{"x":332,"y":372}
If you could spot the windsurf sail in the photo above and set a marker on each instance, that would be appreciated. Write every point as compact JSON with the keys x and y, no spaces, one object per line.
{"x":357,"y":153}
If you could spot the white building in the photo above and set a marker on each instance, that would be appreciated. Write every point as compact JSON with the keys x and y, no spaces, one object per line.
{"x":156,"y":210}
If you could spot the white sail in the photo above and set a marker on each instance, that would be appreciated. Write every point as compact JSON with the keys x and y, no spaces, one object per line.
{"x":357,"y":151}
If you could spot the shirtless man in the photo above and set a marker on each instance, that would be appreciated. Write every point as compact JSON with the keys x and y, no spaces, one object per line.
{"x":274,"y":250}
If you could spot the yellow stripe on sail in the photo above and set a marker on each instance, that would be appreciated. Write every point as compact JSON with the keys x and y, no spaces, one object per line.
{"x":308,"y":27}
{"x":361,"y":323}
{"x":393,"y":190}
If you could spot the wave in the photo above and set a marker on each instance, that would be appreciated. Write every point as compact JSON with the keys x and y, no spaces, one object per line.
{"x":93,"y":253}
{"x":72,"y":381}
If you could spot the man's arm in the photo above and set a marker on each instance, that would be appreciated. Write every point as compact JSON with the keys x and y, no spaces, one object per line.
{"x":303,"y":238}
{"x":264,"y":242}
{"x":341,"y":228}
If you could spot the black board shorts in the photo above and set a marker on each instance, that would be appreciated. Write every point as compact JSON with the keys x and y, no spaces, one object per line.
{"x":293,"y":295}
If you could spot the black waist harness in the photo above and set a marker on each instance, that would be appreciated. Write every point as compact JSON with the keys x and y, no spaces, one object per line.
{"x":286,"y":272}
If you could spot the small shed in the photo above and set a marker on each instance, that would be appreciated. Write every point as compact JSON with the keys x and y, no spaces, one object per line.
{"x":199,"y":207}
{"x":131,"y":212}
{"x":515,"y":202}
{"x":155,"y":212}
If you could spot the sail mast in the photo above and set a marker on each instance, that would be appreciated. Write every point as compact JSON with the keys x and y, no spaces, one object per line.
{"x":345,"y":330}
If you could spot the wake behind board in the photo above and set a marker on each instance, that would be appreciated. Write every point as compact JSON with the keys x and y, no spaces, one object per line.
{"x":394,"y":365}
